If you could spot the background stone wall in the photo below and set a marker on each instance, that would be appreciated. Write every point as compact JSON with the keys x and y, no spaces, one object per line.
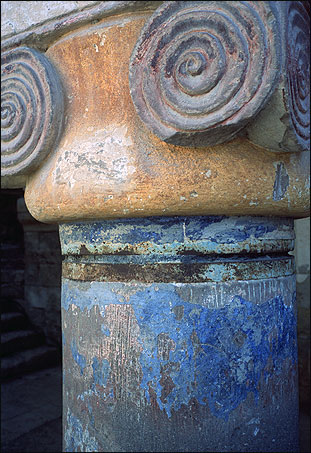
{"x":42,"y":280}
{"x":302,"y":257}
{"x":30,"y":290}
{"x":12,"y":246}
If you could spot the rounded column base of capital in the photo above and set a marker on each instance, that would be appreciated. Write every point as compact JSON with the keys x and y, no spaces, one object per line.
{"x":170,"y":364}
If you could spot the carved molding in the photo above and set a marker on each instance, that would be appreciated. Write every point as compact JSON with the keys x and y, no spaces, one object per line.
{"x":32,"y":107}
{"x":200,"y":71}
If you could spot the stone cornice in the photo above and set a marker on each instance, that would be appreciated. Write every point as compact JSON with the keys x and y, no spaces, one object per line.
{"x":42,"y":35}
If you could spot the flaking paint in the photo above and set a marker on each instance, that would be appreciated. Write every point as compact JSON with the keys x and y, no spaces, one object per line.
{"x":177,"y":235}
{"x":185,"y":350}
{"x":175,"y":366}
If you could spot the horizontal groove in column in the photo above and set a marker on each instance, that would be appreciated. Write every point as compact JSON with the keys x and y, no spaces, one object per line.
{"x":194,"y":272}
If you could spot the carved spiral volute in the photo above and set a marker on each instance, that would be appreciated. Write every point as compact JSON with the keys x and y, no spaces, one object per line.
{"x":298,"y":72}
{"x":31,"y":110}
{"x":201,"y":71}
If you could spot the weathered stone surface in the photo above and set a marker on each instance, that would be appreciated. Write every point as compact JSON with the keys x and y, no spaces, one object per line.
{"x":181,"y":366}
{"x":19,"y":16}
{"x":178,"y":236}
{"x":50,"y":20}
{"x":297,"y":93}
{"x":284,"y":125}
{"x":108,"y":164}
{"x":167,"y":333}
{"x":201,"y":71}
{"x":137,"y":174}
{"x":175,"y":373}
{"x":204,"y":249}
{"x":31,"y":110}
{"x":107,"y":154}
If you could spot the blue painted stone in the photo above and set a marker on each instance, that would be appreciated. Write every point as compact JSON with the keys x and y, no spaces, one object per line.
{"x":208,"y":366}
{"x":79,"y":358}
{"x":171,"y":235}
{"x":234,"y":343}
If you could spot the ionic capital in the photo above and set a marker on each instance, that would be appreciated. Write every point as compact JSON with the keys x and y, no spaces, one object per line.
{"x":160,"y":108}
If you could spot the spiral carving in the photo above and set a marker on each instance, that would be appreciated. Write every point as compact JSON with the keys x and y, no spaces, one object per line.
{"x":31,"y":110}
{"x":201,"y":70}
{"x":298,"y":71}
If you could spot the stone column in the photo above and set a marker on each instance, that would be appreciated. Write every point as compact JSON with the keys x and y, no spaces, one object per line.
{"x":179,"y":334}
{"x":170,"y":143}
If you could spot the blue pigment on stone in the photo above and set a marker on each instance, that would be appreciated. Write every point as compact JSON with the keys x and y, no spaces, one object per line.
{"x":105,"y":330}
{"x":218,"y":355}
{"x":172,"y":232}
{"x":78,"y":358}
{"x":101,"y":371}
{"x":214,"y":367}
{"x":77,"y":436}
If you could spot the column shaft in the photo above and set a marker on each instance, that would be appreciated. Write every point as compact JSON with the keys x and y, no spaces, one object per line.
{"x":179,"y":334}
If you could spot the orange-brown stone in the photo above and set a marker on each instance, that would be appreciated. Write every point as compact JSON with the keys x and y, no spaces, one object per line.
{"x":108,"y":164}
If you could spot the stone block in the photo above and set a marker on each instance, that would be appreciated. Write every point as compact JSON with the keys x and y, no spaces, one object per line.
{"x":40,"y":296}
{"x":49,"y":242}
{"x":31,"y":242}
{"x":12,"y":290}
{"x":42,"y":274}
{"x":50,"y":275}
{"x":12,"y":276}
{"x":42,"y":247}
{"x":42,"y":305}
{"x":303,"y":290}
{"x":31,"y":14}
{"x":31,"y":273}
